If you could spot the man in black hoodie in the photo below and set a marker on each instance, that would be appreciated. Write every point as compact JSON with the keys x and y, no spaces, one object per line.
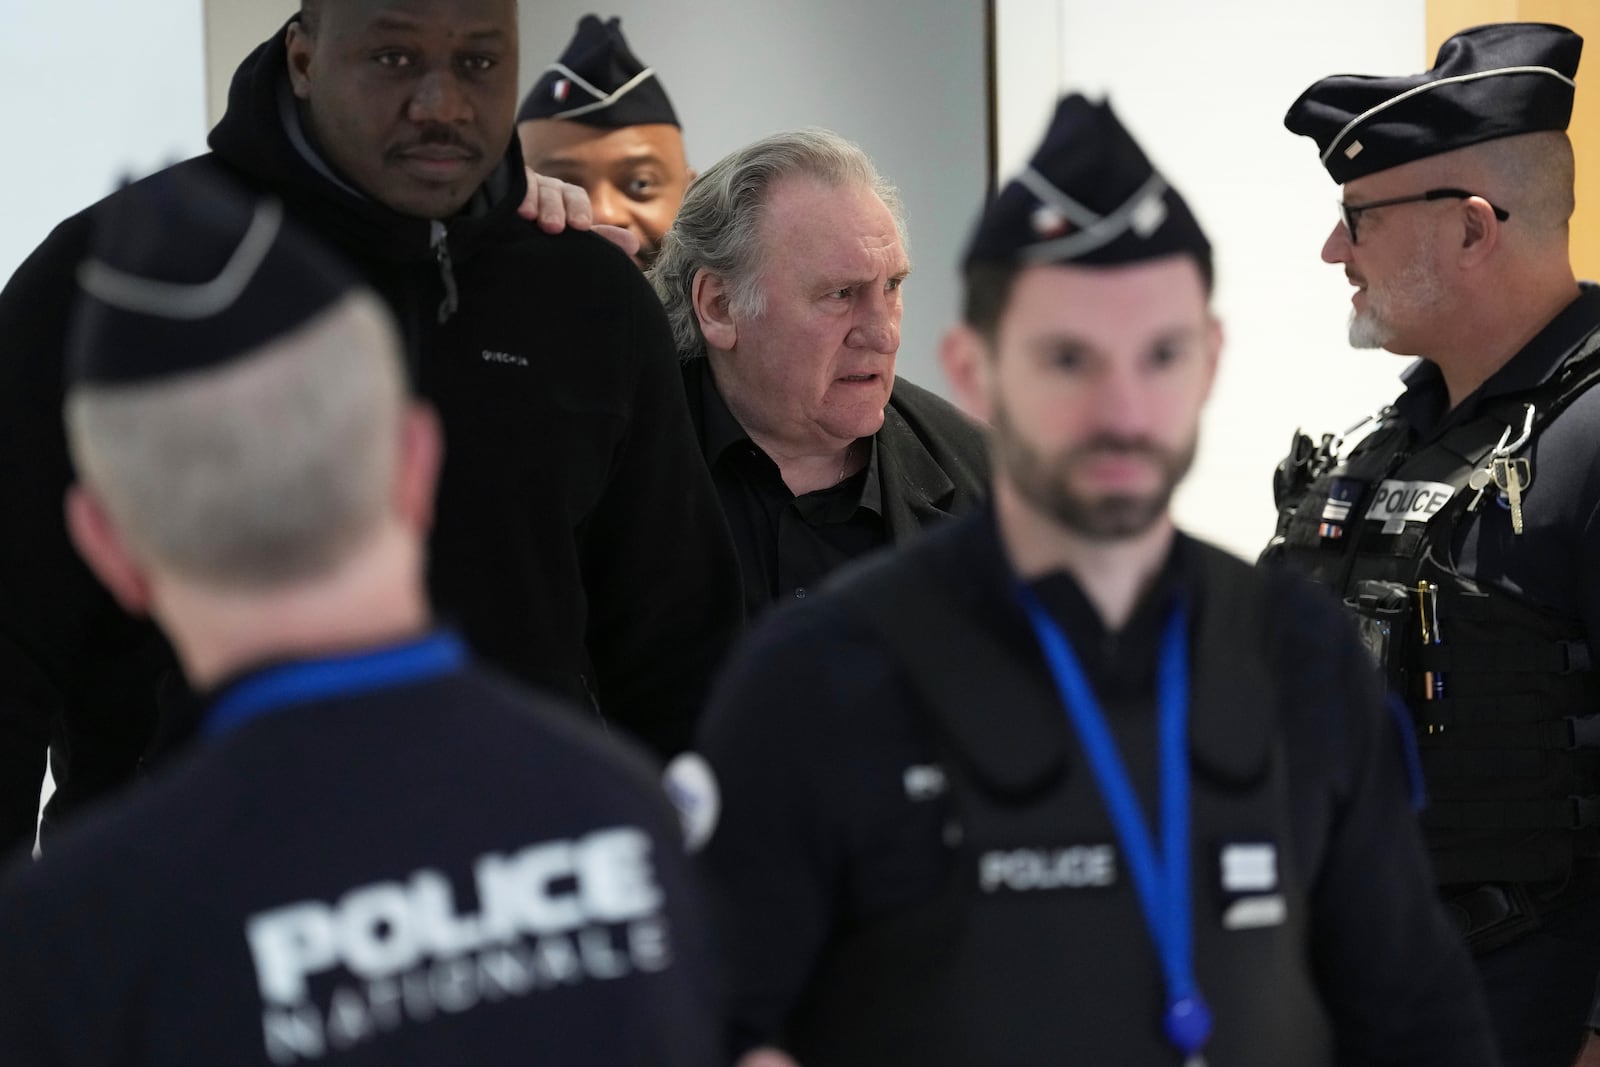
{"x":385,"y":126}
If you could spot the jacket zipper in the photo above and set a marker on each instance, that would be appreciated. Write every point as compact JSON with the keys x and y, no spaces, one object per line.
{"x":447,"y":273}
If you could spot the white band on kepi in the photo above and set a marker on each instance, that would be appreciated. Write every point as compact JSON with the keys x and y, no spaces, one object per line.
{"x":1041,"y":187}
{"x":174,"y":300}
{"x":1414,"y":90}
{"x":1099,"y":230}
{"x":574,"y":77}
{"x":605,"y":100}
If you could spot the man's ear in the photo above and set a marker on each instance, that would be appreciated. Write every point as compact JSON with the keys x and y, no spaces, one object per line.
{"x":300,"y":45}
{"x":969,"y":367}
{"x":103,"y":549}
{"x":417,"y":474}
{"x":709,"y":294}
{"x":1480,"y":230}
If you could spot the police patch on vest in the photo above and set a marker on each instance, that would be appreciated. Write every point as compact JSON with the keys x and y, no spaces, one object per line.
{"x":1253,"y":913}
{"x":1024,"y":870}
{"x":1342,"y":496}
{"x":399,"y":953}
{"x":1395,"y":503}
{"x":1247,"y":874}
{"x":1249,"y":868}
{"x":925,"y":781}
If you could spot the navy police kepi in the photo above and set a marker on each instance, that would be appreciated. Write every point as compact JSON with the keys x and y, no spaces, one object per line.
{"x":1089,"y":195}
{"x":1491,"y":81}
{"x":186,"y":272}
{"x":598,"y":81}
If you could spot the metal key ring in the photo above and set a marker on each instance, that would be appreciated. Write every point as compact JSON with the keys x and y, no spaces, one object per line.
{"x":1502,"y":449}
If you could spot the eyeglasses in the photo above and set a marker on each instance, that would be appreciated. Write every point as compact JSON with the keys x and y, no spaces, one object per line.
{"x":1351,"y":213}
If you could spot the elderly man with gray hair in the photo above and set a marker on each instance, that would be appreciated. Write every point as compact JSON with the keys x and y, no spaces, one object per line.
{"x":782,"y":278}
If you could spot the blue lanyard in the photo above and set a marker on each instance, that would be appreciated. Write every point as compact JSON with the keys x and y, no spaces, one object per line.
{"x":1162,"y":880}
{"x":296,"y":683}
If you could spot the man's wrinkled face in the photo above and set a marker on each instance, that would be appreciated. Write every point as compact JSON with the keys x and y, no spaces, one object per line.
{"x":635,"y":175}
{"x":1096,"y":381}
{"x":411,"y":100}
{"x":814,"y":368}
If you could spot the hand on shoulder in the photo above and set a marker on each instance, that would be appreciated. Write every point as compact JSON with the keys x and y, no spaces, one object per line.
{"x":556,"y":205}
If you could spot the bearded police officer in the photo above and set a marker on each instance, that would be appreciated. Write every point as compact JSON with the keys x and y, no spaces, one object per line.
{"x":600,"y":119}
{"x":374,"y":852}
{"x":1465,"y":527}
{"x":1057,"y":783}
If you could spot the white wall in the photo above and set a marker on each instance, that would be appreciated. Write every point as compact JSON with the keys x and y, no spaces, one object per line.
{"x":1204,"y":87}
{"x":904,"y":81}
{"x":96,"y":91}
{"x":233,"y":29}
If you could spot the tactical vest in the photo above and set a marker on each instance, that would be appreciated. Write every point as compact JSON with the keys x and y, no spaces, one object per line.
{"x":1036,"y":951}
{"x":1503,"y":692}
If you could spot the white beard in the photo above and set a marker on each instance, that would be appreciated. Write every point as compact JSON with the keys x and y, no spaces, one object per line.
{"x":1413,"y":294}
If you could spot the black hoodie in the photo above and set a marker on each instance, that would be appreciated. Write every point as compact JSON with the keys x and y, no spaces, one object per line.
{"x":578,"y":541}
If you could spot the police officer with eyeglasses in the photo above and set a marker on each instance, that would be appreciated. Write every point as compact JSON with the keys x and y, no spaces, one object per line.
{"x":1463,"y":528}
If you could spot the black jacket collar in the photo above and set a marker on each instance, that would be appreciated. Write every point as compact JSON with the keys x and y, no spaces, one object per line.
{"x":1008,"y":719}
{"x":925,"y":492}
{"x":916,"y":491}
{"x":256,"y":138}
{"x":1423,"y":404}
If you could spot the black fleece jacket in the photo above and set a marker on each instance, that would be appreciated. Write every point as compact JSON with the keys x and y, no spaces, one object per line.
{"x":578,"y":543}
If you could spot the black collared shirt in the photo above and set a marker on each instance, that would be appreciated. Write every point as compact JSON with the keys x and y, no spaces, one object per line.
{"x":1555,"y":561}
{"x":787,"y":544}
{"x":1121,"y":665}
{"x":1425,"y":403}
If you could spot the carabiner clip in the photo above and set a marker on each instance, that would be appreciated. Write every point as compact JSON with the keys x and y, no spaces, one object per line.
{"x":1503,"y":449}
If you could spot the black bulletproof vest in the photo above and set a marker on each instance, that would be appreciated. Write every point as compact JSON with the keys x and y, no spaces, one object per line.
{"x":1024,"y":957}
{"x":1503,"y":692}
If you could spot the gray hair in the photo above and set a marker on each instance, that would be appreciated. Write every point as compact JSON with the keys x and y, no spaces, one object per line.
{"x":1535,"y":173}
{"x":257,"y":472}
{"x":718,"y":228}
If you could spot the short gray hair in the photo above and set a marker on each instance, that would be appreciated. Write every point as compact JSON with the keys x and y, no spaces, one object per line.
{"x":1532,"y":173}
{"x":260,"y":471}
{"x":718,"y":228}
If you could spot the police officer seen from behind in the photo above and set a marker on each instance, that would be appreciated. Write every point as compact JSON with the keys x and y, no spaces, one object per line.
{"x":376,"y":851}
{"x":1463,"y":527}
{"x":600,"y":119}
{"x":782,"y":278}
{"x":1058,"y":783}
{"x":579,"y":543}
